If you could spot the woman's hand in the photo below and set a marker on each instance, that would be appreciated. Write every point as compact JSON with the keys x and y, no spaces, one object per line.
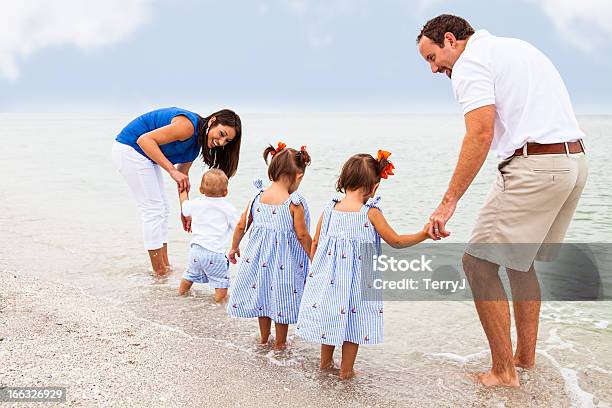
{"x":182,"y":180}
{"x":233,"y":253}
{"x":186,"y":223}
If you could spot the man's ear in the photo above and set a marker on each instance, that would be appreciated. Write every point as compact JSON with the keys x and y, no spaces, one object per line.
{"x":450,"y":38}
{"x":201,"y":190}
{"x":299,"y":177}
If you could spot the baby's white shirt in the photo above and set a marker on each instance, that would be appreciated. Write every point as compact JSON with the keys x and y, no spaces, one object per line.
{"x":213,"y":220}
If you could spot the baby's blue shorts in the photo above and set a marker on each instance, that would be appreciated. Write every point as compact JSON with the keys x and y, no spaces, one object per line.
{"x":205,"y":266}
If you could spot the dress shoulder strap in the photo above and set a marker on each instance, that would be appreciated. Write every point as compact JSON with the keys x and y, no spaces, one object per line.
{"x":371,"y":203}
{"x":327,"y":212}
{"x":258,"y":184}
{"x":297,"y":199}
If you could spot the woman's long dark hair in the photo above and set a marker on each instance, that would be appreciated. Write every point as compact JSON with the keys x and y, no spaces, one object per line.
{"x":223,"y":158}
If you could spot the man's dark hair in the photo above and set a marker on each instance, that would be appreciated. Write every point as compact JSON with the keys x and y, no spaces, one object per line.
{"x":435,"y":28}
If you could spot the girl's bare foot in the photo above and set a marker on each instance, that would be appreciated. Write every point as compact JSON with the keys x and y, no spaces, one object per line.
{"x":490,"y":379}
{"x":327,"y":365}
{"x":347,"y":375}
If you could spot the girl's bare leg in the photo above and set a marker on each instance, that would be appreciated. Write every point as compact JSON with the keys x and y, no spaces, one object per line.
{"x":349,"y":353}
{"x":157,"y":261}
{"x":220,"y":294}
{"x":327,"y":356}
{"x":184,"y":287}
{"x":281,"y":335}
{"x":265,"y":323}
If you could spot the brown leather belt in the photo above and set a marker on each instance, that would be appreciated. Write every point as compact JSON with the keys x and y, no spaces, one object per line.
{"x":553,"y":148}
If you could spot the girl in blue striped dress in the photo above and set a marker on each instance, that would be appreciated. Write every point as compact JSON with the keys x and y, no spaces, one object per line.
{"x":273,"y":266}
{"x":333,"y":312}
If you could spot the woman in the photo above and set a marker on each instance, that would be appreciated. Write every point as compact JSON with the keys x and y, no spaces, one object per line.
{"x":160,"y":140}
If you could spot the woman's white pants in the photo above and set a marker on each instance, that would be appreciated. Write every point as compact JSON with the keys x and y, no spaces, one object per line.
{"x":145,"y":180}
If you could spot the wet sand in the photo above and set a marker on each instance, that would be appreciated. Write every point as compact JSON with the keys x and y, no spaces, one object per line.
{"x":56,"y":335}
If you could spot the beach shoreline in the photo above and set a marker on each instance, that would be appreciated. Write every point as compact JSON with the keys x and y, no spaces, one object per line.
{"x":57,"y":335}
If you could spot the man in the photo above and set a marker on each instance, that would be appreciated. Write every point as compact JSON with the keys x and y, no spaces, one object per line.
{"x":515,"y":104}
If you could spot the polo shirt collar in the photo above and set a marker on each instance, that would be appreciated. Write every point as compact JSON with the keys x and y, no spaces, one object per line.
{"x":476,"y":36}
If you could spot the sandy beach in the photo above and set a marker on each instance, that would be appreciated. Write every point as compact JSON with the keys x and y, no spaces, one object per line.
{"x":56,"y":335}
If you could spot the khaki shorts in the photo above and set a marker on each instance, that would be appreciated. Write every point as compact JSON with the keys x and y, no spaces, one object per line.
{"x":531,"y":203}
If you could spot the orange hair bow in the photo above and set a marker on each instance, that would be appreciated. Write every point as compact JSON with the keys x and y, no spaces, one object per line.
{"x":280,"y":147}
{"x":388,"y":170}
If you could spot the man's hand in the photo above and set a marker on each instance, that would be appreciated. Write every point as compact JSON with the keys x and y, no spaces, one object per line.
{"x":479,"y":126}
{"x":233,"y":254}
{"x":186,"y":223}
{"x":439,"y":218}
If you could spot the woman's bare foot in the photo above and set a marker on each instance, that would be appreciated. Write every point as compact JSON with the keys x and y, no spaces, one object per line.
{"x":158,"y":273}
{"x":280,"y":346}
{"x":490,"y":379}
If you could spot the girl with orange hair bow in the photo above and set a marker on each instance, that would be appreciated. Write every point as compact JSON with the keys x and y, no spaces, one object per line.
{"x":273,"y":265}
{"x":333,"y":312}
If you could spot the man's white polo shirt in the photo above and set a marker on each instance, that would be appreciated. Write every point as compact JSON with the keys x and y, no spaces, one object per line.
{"x":529,"y":95}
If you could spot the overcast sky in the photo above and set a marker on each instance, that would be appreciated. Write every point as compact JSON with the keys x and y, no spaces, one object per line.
{"x":274,"y":55}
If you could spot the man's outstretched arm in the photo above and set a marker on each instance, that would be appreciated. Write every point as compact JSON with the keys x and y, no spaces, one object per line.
{"x":479,"y":125}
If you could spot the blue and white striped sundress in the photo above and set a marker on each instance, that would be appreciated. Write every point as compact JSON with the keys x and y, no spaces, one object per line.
{"x":334,"y":308}
{"x":273,"y":266}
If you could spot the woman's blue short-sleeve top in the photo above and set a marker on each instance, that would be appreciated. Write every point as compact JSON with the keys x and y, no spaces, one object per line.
{"x":176,"y":152}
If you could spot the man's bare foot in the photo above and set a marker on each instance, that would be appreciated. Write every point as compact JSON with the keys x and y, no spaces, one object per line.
{"x":523,"y":363}
{"x":281,"y":346}
{"x":489,"y":379}
{"x":347,"y":375}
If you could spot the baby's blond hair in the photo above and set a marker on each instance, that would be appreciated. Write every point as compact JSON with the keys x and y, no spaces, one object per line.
{"x":214,"y":183}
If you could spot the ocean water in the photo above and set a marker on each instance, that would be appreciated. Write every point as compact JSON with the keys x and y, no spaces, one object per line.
{"x":63,"y":203}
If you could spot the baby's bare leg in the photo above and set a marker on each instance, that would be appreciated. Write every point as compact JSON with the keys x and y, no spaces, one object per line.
{"x":184,"y":286}
{"x":265,"y":323}
{"x":327,"y":356}
{"x":220,"y":294}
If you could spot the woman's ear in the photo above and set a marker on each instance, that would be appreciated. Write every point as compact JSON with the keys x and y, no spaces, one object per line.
{"x":211,"y":123}
{"x":299,"y":177}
